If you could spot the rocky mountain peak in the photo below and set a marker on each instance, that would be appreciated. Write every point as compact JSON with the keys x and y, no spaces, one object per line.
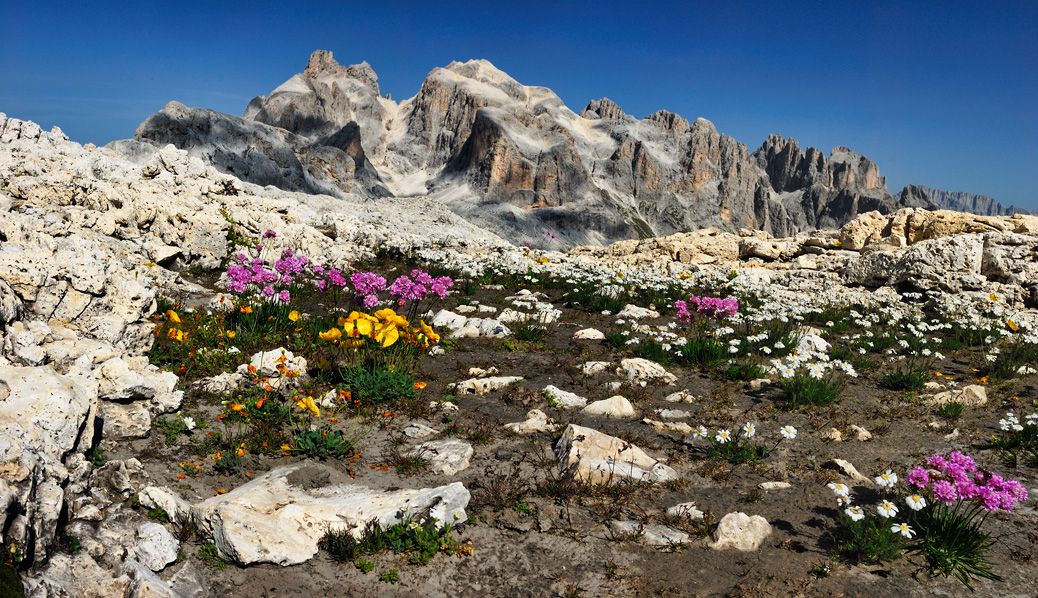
{"x":603,"y":108}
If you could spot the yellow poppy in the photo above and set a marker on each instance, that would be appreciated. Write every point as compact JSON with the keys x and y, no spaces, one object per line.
{"x":231,"y":334}
{"x":173,"y":316}
{"x":293,"y":316}
{"x":387,"y":335}
{"x":1012,"y":326}
{"x":333,"y":335}
{"x":428,"y":332}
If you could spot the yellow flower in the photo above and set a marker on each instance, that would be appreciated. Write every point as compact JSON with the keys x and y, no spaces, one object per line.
{"x":286,"y":447}
{"x":542,"y":260}
{"x":428,"y":332}
{"x":307,"y":403}
{"x":246,"y":309}
{"x":1012,"y":326}
{"x":420,"y":385}
{"x":237,"y":407}
{"x":333,"y":335}
{"x":293,"y":316}
{"x":231,"y":334}
{"x":993,"y":297}
{"x":172,"y":316}
{"x":240,"y":452}
{"x":177,"y":334}
{"x":387,"y":335}
{"x":391,"y":317}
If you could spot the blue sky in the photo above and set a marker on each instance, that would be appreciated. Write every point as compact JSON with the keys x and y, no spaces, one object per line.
{"x":938,"y":93}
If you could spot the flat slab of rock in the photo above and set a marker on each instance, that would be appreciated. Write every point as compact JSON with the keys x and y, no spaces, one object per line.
{"x":597,"y":458}
{"x":448,"y":456}
{"x":740,"y":531}
{"x":973,"y":395}
{"x":280,"y":516}
{"x":483,"y":386}
{"x":681,"y":396}
{"x":591,"y":368}
{"x":633,"y":311}
{"x":650,"y":534}
{"x":616,"y":406}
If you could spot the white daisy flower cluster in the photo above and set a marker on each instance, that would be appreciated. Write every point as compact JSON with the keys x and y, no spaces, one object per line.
{"x":746,"y":432}
{"x":1011,"y":422}
{"x":815,"y":364}
{"x":886,"y":509}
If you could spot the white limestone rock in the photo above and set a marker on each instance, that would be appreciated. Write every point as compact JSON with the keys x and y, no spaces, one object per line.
{"x":594,"y":457}
{"x":563,"y":399}
{"x":484,"y":386}
{"x":536,"y":421}
{"x":642,"y":371}
{"x":589,"y":334}
{"x":615,"y":406}
{"x":280,"y":517}
{"x":650,"y":534}
{"x":741,"y":532}
{"x":447,"y":456}
{"x":155,"y":546}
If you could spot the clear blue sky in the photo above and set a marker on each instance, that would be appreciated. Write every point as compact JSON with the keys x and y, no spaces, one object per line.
{"x":941,"y":93}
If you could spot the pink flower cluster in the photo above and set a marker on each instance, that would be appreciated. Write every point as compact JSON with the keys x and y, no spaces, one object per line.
{"x":419,"y":285}
{"x":955,"y":476}
{"x":714,"y":307}
{"x":367,"y":285}
{"x":253,"y":275}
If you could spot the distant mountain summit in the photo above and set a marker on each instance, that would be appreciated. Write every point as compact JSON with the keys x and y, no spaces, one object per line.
{"x":516,"y":160}
{"x":959,"y":201}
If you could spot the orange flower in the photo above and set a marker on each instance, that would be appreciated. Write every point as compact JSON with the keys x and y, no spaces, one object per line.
{"x":181,"y":476}
{"x":419,"y":385}
{"x":252,"y":369}
{"x":237,"y":407}
{"x":246,"y":309}
{"x":231,"y":334}
{"x":240,"y":452}
{"x":1012,"y":326}
{"x":983,"y":379}
{"x":260,"y":403}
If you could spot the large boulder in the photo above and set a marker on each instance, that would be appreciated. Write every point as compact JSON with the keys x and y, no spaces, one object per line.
{"x":281,"y":516}
{"x":596,"y":458}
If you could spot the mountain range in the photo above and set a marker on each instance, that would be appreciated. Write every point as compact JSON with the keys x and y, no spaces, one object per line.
{"x":516,"y":160}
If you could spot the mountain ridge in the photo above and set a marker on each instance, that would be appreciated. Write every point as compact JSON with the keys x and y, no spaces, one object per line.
{"x":517,"y":160}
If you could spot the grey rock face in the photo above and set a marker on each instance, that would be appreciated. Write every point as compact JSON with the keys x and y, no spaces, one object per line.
{"x":516,"y":160}
{"x":263,"y":154}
